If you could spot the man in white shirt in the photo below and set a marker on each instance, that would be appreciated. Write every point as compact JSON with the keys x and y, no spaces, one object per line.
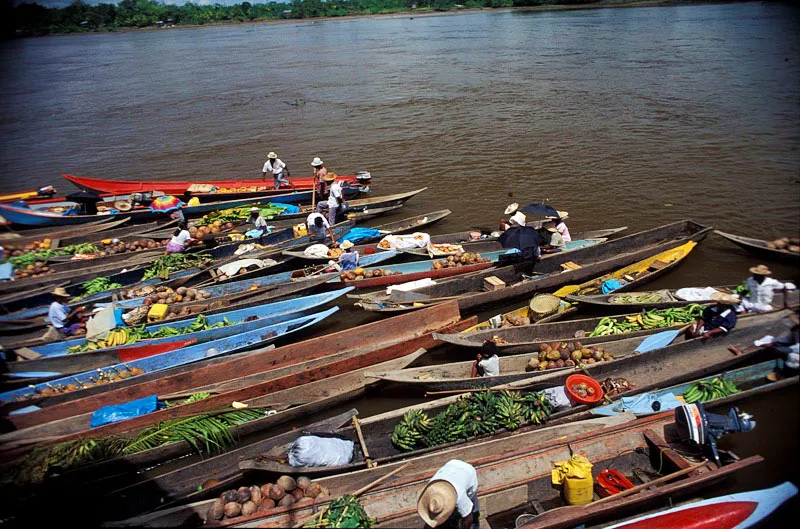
{"x":488,"y":363}
{"x":761,"y":289}
{"x":450,"y":499}
{"x":335,"y":199}
{"x":317,"y":225}
{"x":277,"y":169}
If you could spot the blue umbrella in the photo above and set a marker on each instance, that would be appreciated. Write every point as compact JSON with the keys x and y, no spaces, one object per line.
{"x":539,"y":209}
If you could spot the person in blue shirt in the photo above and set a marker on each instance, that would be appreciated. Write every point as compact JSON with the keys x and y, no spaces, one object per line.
{"x":349,"y":259}
{"x":717,"y":319}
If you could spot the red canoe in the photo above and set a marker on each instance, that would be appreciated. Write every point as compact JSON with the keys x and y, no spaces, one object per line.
{"x":124,"y":187}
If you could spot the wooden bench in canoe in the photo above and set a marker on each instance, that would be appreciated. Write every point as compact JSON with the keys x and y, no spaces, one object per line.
{"x":758,"y":246}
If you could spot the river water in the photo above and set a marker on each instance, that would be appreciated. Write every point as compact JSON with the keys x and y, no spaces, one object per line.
{"x":632,"y":117}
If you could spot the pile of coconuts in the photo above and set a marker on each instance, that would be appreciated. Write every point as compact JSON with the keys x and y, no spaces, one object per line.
{"x":362,"y":273}
{"x":169,"y":296}
{"x":562,"y":354}
{"x":111,"y":248}
{"x":214,"y":228}
{"x":34,"y":270}
{"x":285,"y":492}
{"x":13,"y":250}
{"x":460,"y":259}
{"x":786,"y":244}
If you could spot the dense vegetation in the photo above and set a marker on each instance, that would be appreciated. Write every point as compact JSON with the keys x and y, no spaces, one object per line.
{"x":34,"y":19}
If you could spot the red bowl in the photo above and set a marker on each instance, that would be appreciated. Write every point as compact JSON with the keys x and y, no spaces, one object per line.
{"x":589,"y":381}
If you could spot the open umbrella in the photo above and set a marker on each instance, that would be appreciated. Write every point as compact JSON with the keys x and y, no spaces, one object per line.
{"x":539,"y":209}
{"x":84,"y":196}
{"x":521,"y":237}
{"x":165,"y":204}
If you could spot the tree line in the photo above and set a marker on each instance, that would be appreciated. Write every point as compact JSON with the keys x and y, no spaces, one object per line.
{"x":28,"y":19}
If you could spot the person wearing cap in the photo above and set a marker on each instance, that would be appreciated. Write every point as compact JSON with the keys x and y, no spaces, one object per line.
{"x":349,"y":259}
{"x":320,"y":172}
{"x":277,"y":169}
{"x":317,"y":225}
{"x":64,"y":321}
{"x":450,"y":499}
{"x":717,"y":319}
{"x":510,"y":210}
{"x":488,"y":363}
{"x":761,"y":290}
{"x":561,"y":226}
{"x":180,"y":239}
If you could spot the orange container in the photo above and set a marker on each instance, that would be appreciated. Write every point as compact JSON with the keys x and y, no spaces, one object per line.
{"x":572,"y":380}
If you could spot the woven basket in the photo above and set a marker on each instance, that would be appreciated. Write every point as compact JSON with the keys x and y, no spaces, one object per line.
{"x":544,"y":305}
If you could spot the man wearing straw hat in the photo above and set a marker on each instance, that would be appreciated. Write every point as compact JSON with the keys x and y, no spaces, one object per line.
{"x":761,"y":289}
{"x":60,"y":316}
{"x":717,"y":319}
{"x":450,"y":499}
{"x":510,"y":210}
{"x":277,"y":169}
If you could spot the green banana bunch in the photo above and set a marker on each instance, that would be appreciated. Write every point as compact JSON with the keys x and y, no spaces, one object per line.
{"x":651,"y":319}
{"x":705,"y":390}
{"x":634,"y":298}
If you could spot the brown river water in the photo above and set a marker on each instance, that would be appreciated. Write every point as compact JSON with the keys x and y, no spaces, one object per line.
{"x":633,"y":117}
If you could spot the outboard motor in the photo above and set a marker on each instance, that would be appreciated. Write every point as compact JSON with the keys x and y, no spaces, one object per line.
{"x":697,"y":427}
{"x":363,"y":177}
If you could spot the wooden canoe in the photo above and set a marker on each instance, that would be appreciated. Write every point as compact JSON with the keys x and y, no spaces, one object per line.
{"x":456,"y":376}
{"x":593,"y":261}
{"x":362,"y":204}
{"x":758,"y":246}
{"x":25,"y":237}
{"x":402,"y":330}
{"x":668,"y":298}
{"x":511,"y":471}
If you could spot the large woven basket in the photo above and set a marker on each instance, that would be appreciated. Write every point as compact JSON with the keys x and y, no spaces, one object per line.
{"x":544,"y":305}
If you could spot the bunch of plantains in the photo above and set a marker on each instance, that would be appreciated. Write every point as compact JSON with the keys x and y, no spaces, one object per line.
{"x":704,"y":390}
{"x":472,"y":415}
{"x":652,"y":319}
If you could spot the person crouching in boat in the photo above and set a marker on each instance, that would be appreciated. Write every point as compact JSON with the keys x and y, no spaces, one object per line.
{"x":277,"y":169}
{"x":554,"y":242}
{"x":517,"y":219}
{"x":488,"y":363}
{"x":717,"y":319}
{"x":259,"y":223}
{"x":64,"y":321}
{"x":510,"y":210}
{"x":761,"y":290}
{"x":450,"y":499}
{"x":349,"y":259}
{"x":180,"y":239}
{"x":318,"y":226}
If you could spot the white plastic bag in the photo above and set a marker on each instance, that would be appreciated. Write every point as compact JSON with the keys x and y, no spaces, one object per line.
{"x":316,"y":250}
{"x":407,"y":242}
{"x":313,"y":451}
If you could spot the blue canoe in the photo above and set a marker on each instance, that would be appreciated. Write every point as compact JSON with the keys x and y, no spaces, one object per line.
{"x":194,"y":353}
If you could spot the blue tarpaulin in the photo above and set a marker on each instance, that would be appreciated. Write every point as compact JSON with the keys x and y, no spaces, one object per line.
{"x":640,"y":405}
{"x":357,"y":235}
{"x":290,"y":208}
{"x":124,"y":411}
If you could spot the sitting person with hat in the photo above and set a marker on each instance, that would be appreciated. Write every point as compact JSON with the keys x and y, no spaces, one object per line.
{"x":510,"y":210}
{"x":761,"y":289}
{"x":258,"y":221}
{"x":64,"y":321}
{"x":349,"y":259}
{"x":317,"y":225}
{"x":554,"y":242}
{"x":277,"y":169}
{"x":517,"y":219}
{"x":560,"y":226}
{"x":488,"y":363}
{"x":450,"y":499}
{"x":717,"y":319}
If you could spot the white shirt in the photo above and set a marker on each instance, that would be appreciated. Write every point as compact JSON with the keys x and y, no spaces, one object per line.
{"x":273,"y":166}
{"x":310,"y":221}
{"x":182,"y":238}
{"x":490,"y":366}
{"x":760,"y":298}
{"x":261,"y":222}
{"x":464,"y":479}
{"x":335,"y":196}
{"x":58,"y":314}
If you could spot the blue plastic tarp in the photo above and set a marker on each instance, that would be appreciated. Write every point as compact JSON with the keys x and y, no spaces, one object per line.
{"x":640,"y":405}
{"x":656,"y":341}
{"x":124,"y":411}
{"x":361,"y":234}
{"x":290,"y":208}
{"x":610,"y":285}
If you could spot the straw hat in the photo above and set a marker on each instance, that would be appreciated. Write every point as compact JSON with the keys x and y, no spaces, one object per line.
{"x":330,"y":177}
{"x":761,"y":270}
{"x":346,"y":245}
{"x":272,"y":155}
{"x":316,"y":162}
{"x":123,"y":205}
{"x":519,"y":218}
{"x":561,"y":214}
{"x":436,"y":503}
{"x":725,"y":299}
{"x":512,"y":208}
{"x":549,"y":226}
{"x":60,"y":292}
{"x":254,"y":210}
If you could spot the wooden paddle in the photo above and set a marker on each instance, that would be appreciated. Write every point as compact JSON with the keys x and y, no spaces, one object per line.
{"x":357,"y":426}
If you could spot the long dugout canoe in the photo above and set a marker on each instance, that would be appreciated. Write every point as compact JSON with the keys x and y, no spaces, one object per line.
{"x":396,"y":331}
{"x":758,"y":246}
{"x":25,"y":237}
{"x":594,"y":260}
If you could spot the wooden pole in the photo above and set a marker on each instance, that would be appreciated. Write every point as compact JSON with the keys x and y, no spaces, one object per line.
{"x":357,"y":426}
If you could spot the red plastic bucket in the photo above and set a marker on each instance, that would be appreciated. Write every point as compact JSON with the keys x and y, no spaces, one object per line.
{"x":573,"y":380}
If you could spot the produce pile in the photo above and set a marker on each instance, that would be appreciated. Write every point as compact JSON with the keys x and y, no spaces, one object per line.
{"x":109,"y":247}
{"x":243,"y":189}
{"x":640,"y":297}
{"x":616,"y":385}
{"x":363,"y":273}
{"x":652,"y":319}
{"x":215,"y":227}
{"x":562,"y":354}
{"x":460,"y":259}
{"x":34,"y":263}
{"x":474,"y":414}
{"x":704,"y":390}
{"x":129,"y":336}
{"x":583,"y":390}
{"x":216,"y":219}
{"x":110,"y":374}
{"x":345,"y":512}
{"x":786,"y":244}
{"x":285,"y":492}
{"x":16,"y":250}
{"x":174,"y":262}
{"x":438,"y":250}
{"x":95,"y":286}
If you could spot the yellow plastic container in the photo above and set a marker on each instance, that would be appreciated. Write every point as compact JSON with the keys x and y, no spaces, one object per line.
{"x":300,"y":230}
{"x":157,"y":312}
{"x":575,"y":475}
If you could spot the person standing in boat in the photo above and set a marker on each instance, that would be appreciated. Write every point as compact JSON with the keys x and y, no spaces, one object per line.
{"x":317,"y":226}
{"x":450,"y":499}
{"x":488,"y":363}
{"x":277,"y":169}
{"x":180,"y":239}
{"x":320,"y":172}
{"x":761,"y":290}
{"x":64,"y":321}
{"x":717,"y":319}
{"x":335,"y":198}
{"x":561,"y":226}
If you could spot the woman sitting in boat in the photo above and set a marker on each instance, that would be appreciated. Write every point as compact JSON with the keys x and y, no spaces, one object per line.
{"x":258,"y":221}
{"x":190,"y":200}
{"x":717,"y":319}
{"x":517,"y":219}
{"x":450,"y":499}
{"x":761,"y":289}
{"x":554,"y":242}
{"x":180,"y":239}
{"x":510,"y":210}
{"x":317,"y":226}
{"x":561,"y":227}
{"x":64,"y":321}
{"x":349,"y":259}
{"x":488,"y":363}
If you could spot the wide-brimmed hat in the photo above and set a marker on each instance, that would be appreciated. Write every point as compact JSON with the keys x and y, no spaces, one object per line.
{"x":272,"y":155}
{"x":316,"y":162}
{"x":725,"y":299}
{"x":330,"y":177}
{"x":436,"y":503}
{"x":254,"y":210}
{"x":561,"y":215}
{"x":123,"y":205}
{"x":550,"y":226}
{"x":60,"y":292}
{"x":512,"y":208}
{"x":346,"y":245}
{"x":519,"y":218}
{"x":761,"y":270}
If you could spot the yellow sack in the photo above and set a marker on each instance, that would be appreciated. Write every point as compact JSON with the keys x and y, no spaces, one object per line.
{"x":576,"y":476}
{"x":157,"y":312}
